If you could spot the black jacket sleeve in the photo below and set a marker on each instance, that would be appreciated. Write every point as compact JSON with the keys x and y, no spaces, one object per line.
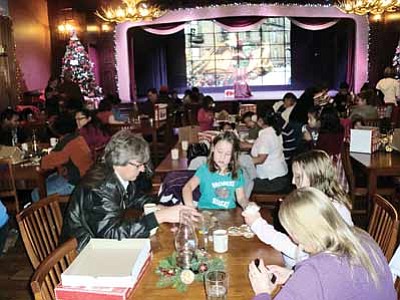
{"x":96,"y":213}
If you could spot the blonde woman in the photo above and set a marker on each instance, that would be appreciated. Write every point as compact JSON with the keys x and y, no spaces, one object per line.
{"x":315,"y":169}
{"x":344,"y":261}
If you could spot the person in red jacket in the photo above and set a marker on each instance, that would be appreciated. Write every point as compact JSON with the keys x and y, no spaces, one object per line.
{"x":71,"y":157}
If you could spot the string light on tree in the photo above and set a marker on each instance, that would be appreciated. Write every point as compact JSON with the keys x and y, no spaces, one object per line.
{"x":396,"y":60}
{"x":76,"y":61}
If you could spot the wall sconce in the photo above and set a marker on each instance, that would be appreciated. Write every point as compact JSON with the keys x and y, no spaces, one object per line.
{"x":68,"y":22}
{"x":93,"y":28}
{"x":105,"y":27}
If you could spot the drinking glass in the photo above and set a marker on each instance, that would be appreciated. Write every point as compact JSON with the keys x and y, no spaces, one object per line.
{"x":216,"y":285}
{"x":204,"y":226}
{"x":185,"y":240}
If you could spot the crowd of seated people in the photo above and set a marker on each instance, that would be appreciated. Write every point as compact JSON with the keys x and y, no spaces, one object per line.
{"x":295,"y":144}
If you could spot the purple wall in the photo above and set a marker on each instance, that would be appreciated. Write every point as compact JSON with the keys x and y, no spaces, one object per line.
{"x":32,"y":39}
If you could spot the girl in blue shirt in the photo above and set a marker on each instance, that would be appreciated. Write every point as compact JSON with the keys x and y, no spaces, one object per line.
{"x":3,"y":226}
{"x":220,"y":179}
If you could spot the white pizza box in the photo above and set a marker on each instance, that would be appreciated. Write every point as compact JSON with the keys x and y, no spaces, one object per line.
{"x":108,"y":263}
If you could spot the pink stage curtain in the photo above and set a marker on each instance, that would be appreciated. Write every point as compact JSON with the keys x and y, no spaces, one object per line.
{"x":229,"y":24}
{"x":351,"y":40}
{"x":165,"y":29}
{"x":239,"y":23}
{"x":314,"y":23}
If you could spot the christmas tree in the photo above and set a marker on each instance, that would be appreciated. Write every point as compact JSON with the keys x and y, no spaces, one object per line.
{"x":76,"y":61}
{"x":396,"y":61}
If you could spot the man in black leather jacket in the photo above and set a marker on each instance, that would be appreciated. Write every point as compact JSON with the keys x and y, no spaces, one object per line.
{"x":99,"y":203}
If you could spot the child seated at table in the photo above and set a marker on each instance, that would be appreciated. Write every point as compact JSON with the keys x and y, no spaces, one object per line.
{"x":227,"y":126}
{"x":310,"y":169}
{"x":344,"y":261}
{"x":311,"y":129}
{"x":220,"y":179}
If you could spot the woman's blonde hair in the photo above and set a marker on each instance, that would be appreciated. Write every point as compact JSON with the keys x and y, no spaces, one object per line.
{"x":319,"y":169}
{"x":310,"y":218}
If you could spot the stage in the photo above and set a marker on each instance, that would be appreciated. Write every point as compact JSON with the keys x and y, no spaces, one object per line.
{"x":256,"y":96}
{"x":328,"y":62}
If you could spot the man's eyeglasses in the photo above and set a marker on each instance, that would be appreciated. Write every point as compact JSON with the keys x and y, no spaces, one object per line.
{"x":138,"y":165}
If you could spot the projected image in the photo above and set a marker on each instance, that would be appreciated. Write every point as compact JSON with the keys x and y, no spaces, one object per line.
{"x":216,"y":57}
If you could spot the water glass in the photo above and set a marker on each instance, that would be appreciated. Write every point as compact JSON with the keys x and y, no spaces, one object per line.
{"x":203,"y":229}
{"x":216,"y":285}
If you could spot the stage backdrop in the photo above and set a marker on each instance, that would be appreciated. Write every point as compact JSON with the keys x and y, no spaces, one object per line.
{"x":317,"y":57}
{"x":357,"y":52}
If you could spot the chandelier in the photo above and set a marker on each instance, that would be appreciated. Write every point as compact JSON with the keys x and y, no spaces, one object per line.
{"x":362,"y":7}
{"x":130,"y":10}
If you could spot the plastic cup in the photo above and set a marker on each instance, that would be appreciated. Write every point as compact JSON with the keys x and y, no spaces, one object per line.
{"x":175,"y":154}
{"x":53,"y":142}
{"x":220,"y":238}
{"x":185,"y":145}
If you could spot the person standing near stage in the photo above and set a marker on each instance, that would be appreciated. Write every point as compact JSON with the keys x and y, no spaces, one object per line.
{"x":389,"y":86}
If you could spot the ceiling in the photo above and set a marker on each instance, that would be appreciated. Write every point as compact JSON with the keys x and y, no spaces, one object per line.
{"x":171,"y":4}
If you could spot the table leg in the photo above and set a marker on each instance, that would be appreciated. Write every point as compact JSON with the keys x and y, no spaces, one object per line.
{"x":41,"y":183}
{"x":155,"y":145}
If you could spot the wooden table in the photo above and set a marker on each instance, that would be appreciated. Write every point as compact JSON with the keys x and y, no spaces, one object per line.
{"x":241,"y":252}
{"x":168,"y":164}
{"x":375,"y":165}
{"x":181,"y":164}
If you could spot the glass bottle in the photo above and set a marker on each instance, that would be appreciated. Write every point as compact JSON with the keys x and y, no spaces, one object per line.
{"x":34,"y":144}
{"x":185,"y":240}
{"x":135,"y":113}
{"x":14,"y":137}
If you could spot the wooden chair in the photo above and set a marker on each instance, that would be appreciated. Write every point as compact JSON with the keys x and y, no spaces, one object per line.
{"x":373,"y":122}
{"x":7,"y":182}
{"x":359,"y":195}
{"x":384,"y":225}
{"x":397,"y":287}
{"x":48,"y":275}
{"x":40,"y":227}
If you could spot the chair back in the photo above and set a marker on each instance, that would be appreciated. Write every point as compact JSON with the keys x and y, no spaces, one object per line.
{"x":7,"y":181}
{"x":348,"y":168}
{"x":373,"y":123}
{"x":384,"y":225}
{"x":171,"y":188}
{"x":48,"y":275}
{"x":40,"y":227}
{"x":397,"y":287}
